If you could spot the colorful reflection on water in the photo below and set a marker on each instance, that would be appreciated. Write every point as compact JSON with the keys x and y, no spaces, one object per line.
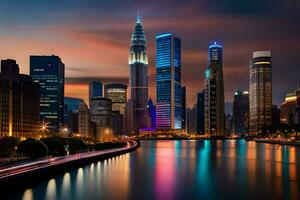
{"x":233,"y":169}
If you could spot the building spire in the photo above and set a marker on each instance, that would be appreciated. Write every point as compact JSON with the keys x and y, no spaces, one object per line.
{"x":138,"y":17}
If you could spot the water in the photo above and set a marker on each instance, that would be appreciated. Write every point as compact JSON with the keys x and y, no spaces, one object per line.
{"x":183,"y":170}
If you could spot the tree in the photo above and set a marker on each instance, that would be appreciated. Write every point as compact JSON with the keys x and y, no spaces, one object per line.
{"x":55,"y":146}
{"x":76,"y":145}
{"x":8,"y":145}
{"x":32,"y":148}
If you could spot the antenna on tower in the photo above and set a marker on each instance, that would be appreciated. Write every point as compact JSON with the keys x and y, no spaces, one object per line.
{"x":138,"y":18}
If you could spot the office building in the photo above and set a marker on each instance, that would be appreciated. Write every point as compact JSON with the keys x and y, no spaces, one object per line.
{"x":19,"y":102}
{"x":152,"y":114}
{"x":168,"y":82}
{"x":214,"y":113}
{"x":117,"y":93}
{"x":95,"y":89}
{"x":260,"y":91}
{"x":71,"y":108}
{"x":86,"y":127}
{"x":49,"y":73}
{"x":290,"y":108}
{"x":183,"y":107}
{"x":240,"y":112}
{"x":200,"y":112}
{"x":192,"y":120}
{"x":138,"y":77}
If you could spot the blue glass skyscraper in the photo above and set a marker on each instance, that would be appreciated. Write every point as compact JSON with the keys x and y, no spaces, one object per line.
{"x":95,"y":89}
{"x":49,"y":72}
{"x":168,"y":82}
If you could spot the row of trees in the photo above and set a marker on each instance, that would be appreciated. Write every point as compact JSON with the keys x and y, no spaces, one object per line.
{"x":49,"y":146}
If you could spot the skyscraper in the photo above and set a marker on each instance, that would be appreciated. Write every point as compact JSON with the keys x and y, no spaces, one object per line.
{"x":183,"y":107}
{"x":214,"y":92}
{"x":168,"y":82}
{"x":95,"y":90}
{"x":138,"y":76}
{"x":49,"y":72}
{"x":240,"y":110}
{"x":260,"y":94}
{"x":200,"y":112}
{"x":152,"y":113}
{"x":19,"y":102}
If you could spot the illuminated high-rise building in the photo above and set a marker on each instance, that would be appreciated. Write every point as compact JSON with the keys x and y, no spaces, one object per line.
{"x":138,"y":77}
{"x":49,"y":72}
{"x":260,"y":91}
{"x":168,"y":82}
{"x":19,"y":102}
{"x":117,"y":92}
{"x":214,"y":113}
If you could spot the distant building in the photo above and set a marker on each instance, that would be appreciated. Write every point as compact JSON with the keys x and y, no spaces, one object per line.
{"x":260,"y":93}
{"x":183,"y":107}
{"x":117,"y":123}
{"x":85,"y":126}
{"x":240,"y":111}
{"x":152,"y":113}
{"x":168,"y":82}
{"x":129,"y":117}
{"x":101,"y":114}
{"x":290,"y":108}
{"x":19,"y":102}
{"x":214,"y":112}
{"x":95,"y":89}
{"x":71,"y":108}
{"x":192,"y":120}
{"x":228,"y":125}
{"x":200,"y":112}
{"x":117,"y":92}
{"x":49,"y":73}
{"x":138,"y":76}
{"x":276,"y":116}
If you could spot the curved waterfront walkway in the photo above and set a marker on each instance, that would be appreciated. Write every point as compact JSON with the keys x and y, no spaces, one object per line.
{"x":32,"y":172}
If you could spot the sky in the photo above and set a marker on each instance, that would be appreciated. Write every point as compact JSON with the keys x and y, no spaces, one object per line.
{"x":92,"y":37}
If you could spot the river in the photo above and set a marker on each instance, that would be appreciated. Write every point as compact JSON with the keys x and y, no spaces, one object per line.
{"x":187,"y":169}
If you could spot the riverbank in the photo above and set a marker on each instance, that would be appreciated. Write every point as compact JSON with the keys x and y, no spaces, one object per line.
{"x":30,"y":174}
{"x":279,"y":142}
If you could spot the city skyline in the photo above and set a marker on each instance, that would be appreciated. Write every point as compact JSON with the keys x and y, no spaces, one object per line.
{"x":245,"y":32}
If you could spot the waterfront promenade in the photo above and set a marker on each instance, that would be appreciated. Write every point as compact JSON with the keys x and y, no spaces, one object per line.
{"x":31,"y":172}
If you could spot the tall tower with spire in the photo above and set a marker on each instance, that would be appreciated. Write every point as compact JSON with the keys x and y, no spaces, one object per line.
{"x":138,"y":76}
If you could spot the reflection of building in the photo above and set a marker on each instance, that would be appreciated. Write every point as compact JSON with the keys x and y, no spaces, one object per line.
{"x":183,"y":107}
{"x":192,"y":119}
{"x":260,"y":94}
{"x":168,"y":82}
{"x":117,"y":92}
{"x":101,"y":114}
{"x":19,"y":102}
{"x":95,"y":89}
{"x":49,"y":72}
{"x":240,"y":111}
{"x":85,"y":125}
{"x":138,"y":76}
{"x":200,"y":112}
{"x":290,"y":108}
{"x":214,"y":92}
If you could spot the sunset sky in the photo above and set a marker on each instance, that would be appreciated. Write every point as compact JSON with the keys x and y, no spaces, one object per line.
{"x":93,"y":36}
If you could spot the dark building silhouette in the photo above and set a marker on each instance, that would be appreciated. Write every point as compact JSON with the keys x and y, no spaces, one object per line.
{"x":192,"y":120}
{"x":240,"y":111}
{"x":138,"y":77}
{"x":152,"y":113}
{"x":276,"y":116}
{"x":183,"y":108}
{"x":71,"y":113}
{"x":200,"y":112}
{"x":260,"y":91}
{"x":49,"y":72}
{"x":95,"y":89}
{"x":214,"y":92}
{"x":19,"y":102}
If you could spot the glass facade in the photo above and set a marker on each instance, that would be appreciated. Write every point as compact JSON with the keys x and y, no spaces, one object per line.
{"x":260,"y":94}
{"x":49,"y":72}
{"x":138,"y":77}
{"x":95,"y":90}
{"x":214,"y":113}
{"x":168,"y":82}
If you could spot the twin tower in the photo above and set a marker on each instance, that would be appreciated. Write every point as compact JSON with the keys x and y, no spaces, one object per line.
{"x":169,"y":98}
